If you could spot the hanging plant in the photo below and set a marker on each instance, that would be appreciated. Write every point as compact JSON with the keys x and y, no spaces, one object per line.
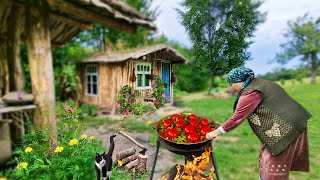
{"x":133,"y":76}
{"x":173,"y":78}
{"x":158,"y":92}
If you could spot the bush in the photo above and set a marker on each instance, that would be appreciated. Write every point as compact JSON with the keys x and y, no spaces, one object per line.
{"x":72,"y":159}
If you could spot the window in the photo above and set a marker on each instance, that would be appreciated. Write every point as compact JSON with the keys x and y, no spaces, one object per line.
{"x":92,"y":79}
{"x":143,"y":71}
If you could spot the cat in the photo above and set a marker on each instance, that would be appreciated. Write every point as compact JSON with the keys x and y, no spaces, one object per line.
{"x":103,"y":162}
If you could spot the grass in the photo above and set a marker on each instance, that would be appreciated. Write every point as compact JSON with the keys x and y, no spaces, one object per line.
{"x":239,"y":159}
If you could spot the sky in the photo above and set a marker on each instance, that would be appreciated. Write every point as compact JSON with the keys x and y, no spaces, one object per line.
{"x":267,"y":37}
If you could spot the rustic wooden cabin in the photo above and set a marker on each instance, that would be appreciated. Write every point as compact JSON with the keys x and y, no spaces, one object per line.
{"x":41,"y":25}
{"x":103,"y":75}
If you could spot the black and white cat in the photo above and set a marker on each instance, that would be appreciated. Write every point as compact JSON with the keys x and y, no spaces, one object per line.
{"x":103,"y":162}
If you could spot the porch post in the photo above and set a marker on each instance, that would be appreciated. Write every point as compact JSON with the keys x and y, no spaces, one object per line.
{"x":41,"y":67}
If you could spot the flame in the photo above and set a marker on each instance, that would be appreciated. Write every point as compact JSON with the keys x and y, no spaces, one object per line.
{"x":193,"y":170}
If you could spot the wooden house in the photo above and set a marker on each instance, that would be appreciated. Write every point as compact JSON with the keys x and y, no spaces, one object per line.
{"x":103,"y":75}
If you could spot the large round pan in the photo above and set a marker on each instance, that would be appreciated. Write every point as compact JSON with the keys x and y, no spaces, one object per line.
{"x":181,"y":145}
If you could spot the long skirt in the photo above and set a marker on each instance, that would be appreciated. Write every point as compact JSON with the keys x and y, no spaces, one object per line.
{"x":294,"y":158}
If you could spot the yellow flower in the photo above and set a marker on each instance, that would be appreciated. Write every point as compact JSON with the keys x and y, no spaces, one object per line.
{"x":58,"y":149}
{"x":28,"y":150}
{"x":22,"y":165}
{"x":92,"y":137}
{"x":84,"y":136}
{"x":76,"y":120}
{"x":120,"y":163}
{"x":150,"y":122}
{"x":3,"y":178}
{"x":73,"y":142}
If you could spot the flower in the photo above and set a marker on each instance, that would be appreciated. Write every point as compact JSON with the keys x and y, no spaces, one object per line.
{"x":128,"y":95}
{"x":28,"y":150}
{"x":118,"y":105}
{"x":68,"y":109}
{"x":126,"y":112}
{"x":84,"y":136}
{"x":155,"y":102}
{"x":22,"y":165}
{"x":120,"y":163}
{"x":3,"y":178}
{"x":92,"y":137}
{"x":58,"y":149}
{"x":73,"y":142}
{"x":76,"y":120}
{"x":154,"y":85}
{"x":163,"y":95}
{"x":150,"y":122}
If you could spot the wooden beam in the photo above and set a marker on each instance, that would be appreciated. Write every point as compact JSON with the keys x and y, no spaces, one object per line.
{"x":41,"y":68}
{"x":16,"y":74}
{"x":69,"y":20}
{"x":93,"y":17}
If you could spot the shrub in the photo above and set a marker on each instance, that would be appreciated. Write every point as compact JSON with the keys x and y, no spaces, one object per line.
{"x":72,"y":158}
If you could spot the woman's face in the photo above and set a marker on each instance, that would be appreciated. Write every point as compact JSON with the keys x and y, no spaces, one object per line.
{"x":236,"y":86}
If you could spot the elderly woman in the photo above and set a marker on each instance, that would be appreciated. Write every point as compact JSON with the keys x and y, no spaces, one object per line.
{"x":278,"y":121}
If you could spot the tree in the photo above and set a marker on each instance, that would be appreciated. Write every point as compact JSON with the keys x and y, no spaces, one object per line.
{"x":303,"y":37}
{"x":220,"y":31}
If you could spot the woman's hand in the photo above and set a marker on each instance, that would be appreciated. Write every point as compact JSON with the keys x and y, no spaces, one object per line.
{"x":213,"y":134}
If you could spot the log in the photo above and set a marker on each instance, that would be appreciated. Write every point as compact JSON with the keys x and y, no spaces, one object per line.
{"x":131,"y":164}
{"x":129,"y":158}
{"x":174,"y":174}
{"x":41,"y":68}
{"x":141,"y":167}
{"x":125,"y":153}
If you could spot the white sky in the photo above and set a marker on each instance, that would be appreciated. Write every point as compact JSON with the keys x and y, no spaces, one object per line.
{"x":268,"y":35}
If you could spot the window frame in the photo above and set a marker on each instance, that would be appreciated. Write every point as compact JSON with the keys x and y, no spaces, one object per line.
{"x":91,"y":74}
{"x":143,"y":73}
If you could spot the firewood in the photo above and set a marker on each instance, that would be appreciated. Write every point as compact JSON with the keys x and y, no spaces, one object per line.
{"x":128,"y":159}
{"x":141,"y":167}
{"x":125,"y":153}
{"x":131,"y":164}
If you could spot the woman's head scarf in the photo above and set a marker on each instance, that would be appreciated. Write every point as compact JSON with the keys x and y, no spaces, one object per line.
{"x":240,"y":74}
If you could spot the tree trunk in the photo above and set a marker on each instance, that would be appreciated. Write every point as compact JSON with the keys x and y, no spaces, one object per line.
{"x":41,"y":67}
{"x":16,"y":75}
{"x":125,"y":153}
{"x":4,"y":77}
{"x":314,"y":67}
{"x":210,"y":83}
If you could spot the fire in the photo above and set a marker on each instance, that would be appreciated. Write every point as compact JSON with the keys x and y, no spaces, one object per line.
{"x":193,"y":170}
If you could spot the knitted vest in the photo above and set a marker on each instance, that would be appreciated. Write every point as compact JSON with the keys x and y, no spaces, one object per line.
{"x":278,"y":119}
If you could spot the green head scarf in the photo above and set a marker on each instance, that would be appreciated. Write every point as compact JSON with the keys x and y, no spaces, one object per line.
{"x":240,"y":74}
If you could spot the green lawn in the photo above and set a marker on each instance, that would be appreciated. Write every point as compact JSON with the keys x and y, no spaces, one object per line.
{"x":237,"y":152}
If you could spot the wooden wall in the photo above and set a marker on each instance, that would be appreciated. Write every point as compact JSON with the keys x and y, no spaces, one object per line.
{"x":113,"y":76}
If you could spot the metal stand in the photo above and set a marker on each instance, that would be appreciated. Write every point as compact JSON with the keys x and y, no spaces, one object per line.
{"x":184,"y":152}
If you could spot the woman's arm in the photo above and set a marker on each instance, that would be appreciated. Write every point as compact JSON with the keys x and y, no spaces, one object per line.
{"x":248,"y":102}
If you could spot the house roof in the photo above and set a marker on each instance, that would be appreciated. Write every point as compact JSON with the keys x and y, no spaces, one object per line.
{"x":121,"y":56}
{"x":69,"y":17}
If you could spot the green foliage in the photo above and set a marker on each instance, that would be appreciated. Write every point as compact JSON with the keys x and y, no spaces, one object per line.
{"x":158,"y":92}
{"x":303,"y":36}
{"x":126,"y":103}
{"x":287,"y":74}
{"x":220,"y":30}
{"x":72,"y":159}
{"x":190,"y":77}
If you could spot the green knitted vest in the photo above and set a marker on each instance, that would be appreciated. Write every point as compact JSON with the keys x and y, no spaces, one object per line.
{"x":278,"y":120}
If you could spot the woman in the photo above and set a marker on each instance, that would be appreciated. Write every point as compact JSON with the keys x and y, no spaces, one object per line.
{"x":279,"y":122}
